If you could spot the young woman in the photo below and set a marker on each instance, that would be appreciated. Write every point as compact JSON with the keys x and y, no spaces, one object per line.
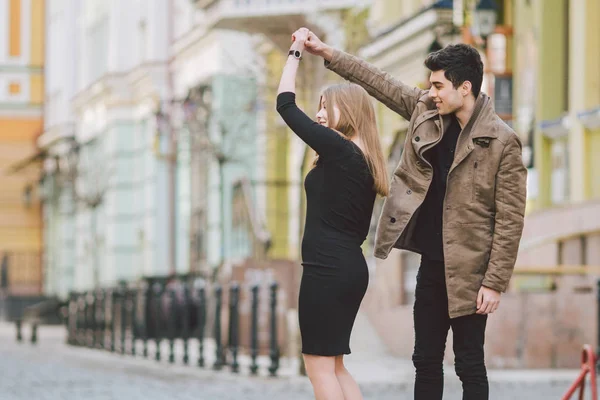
{"x":340,"y":190}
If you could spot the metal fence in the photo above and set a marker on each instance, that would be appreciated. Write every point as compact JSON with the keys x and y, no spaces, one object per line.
{"x":117,"y":319}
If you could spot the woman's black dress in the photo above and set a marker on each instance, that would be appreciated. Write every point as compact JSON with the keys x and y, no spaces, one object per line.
{"x":340,"y":198}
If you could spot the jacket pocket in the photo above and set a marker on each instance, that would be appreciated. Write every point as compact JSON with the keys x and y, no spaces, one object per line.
{"x":482,"y":176}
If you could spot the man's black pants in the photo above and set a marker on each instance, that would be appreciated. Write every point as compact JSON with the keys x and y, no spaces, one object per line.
{"x":431,"y":330}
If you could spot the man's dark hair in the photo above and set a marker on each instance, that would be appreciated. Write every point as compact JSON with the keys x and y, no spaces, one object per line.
{"x":460,"y":63}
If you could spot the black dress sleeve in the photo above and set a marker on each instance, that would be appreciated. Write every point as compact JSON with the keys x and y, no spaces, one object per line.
{"x":326,"y":142}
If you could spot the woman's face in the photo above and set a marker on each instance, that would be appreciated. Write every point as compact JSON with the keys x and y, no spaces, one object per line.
{"x":324,"y":115}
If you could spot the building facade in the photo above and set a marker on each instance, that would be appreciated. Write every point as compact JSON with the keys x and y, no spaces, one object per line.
{"x":544,"y":82}
{"x":21,"y":122}
{"x":558,"y":111}
{"x":141,"y":171}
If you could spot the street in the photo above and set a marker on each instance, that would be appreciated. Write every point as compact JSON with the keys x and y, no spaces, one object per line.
{"x":51,"y":370}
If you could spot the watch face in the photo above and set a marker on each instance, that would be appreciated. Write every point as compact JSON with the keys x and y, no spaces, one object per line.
{"x":297,"y":54}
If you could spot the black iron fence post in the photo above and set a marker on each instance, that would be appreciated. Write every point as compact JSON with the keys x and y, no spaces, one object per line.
{"x":107,"y":314}
{"x":123,"y":316}
{"x":82,"y":336}
{"x":78,"y":320}
{"x":219,"y":356}
{"x":157,"y":316}
{"x":172,"y":324}
{"x":113,"y":319}
{"x":254,"y":331}
{"x":34,"y":334}
{"x":92,"y":326}
{"x":146,"y":302}
{"x":100,"y":310}
{"x":234,"y":300}
{"x":201,"y":323}
{"x":274,"y":342}
{"x":71,"y":318}
{"x":133,"y":318}
{"x":185,"y":323}
{"x":19,"y":326}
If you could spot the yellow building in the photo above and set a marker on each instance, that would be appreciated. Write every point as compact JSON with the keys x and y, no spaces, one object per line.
{"x":557,"y":111}
{"x":21,"y":98}
{"x":542,"y":70}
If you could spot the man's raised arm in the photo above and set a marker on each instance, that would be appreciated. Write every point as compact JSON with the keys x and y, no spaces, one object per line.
{"x":394,"y":94}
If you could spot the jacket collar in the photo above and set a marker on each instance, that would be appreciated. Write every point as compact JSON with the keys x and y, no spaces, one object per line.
{"x":481,"y":125}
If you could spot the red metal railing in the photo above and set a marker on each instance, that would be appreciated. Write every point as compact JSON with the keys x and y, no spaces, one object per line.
{"x":588,"y":366}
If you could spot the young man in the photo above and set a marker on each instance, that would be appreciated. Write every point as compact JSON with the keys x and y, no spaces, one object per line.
{"x":457,"y":198}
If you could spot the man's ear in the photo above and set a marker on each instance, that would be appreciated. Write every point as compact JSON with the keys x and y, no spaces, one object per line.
{"x":466,"y":88}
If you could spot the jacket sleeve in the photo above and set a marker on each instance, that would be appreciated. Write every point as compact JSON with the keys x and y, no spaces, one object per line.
{"x":396,"y":95}
{"x":511,"y":193}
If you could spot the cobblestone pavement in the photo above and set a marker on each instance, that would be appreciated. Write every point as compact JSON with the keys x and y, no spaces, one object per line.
{"x":51,"y":370}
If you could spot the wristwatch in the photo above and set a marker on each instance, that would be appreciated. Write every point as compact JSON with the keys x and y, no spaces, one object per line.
{"x":296,"y":53}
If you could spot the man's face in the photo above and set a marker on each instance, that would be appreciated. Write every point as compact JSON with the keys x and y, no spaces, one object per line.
{"x":447,"y":99}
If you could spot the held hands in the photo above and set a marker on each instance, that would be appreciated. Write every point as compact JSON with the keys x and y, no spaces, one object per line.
{"x":488,"y":300}
{"x":312,"y":43}
{"x":299,"y":39}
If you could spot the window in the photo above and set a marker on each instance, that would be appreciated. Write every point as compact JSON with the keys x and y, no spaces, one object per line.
{"x":14,"y":88}
{"x":560,"y":171}
{"x":583,"y":248}
{"x":560,"y":252}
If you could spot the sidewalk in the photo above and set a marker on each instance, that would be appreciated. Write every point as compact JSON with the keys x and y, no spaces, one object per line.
{"x":369,"y":362}
{"x":52,"y":370}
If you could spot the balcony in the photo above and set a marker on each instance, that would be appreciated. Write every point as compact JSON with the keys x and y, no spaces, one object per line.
{"x":269,"y":16}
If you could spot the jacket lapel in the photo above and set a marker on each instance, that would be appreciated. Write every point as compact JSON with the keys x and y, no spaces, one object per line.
{"x":478,"y":127}
{"x":423,"y":140}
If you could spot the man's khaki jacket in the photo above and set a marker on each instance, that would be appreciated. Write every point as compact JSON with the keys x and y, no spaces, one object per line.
{"x":486,"y":189}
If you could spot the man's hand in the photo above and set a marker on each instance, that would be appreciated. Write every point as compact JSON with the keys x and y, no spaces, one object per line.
{"x":315,"y":46}
{"x":299,"y":39}
{"x":488,"y":300}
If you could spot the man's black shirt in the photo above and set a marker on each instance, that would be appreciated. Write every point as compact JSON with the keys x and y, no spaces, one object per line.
{"x":429,"y":223}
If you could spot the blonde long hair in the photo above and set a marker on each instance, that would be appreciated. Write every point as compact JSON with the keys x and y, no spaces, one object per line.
{"x":357,"y":118}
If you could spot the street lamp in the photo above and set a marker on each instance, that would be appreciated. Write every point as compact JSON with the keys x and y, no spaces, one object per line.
{"x":476,"y":18}
{"x":484,"y":19}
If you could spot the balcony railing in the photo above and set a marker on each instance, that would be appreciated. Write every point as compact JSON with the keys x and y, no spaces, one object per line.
{"x":219,"y":10}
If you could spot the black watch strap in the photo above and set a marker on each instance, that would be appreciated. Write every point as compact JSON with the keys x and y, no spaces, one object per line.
{"x":296,"y":53}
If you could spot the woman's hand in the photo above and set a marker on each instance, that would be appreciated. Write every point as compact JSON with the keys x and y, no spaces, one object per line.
{"x":312,"y":43}
{"x":288,"y":77}
{"x":299,"y":38}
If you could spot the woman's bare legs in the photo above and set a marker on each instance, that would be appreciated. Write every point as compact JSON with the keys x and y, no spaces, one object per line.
{"x":347,"y":383}
{"x":322,"y":373}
